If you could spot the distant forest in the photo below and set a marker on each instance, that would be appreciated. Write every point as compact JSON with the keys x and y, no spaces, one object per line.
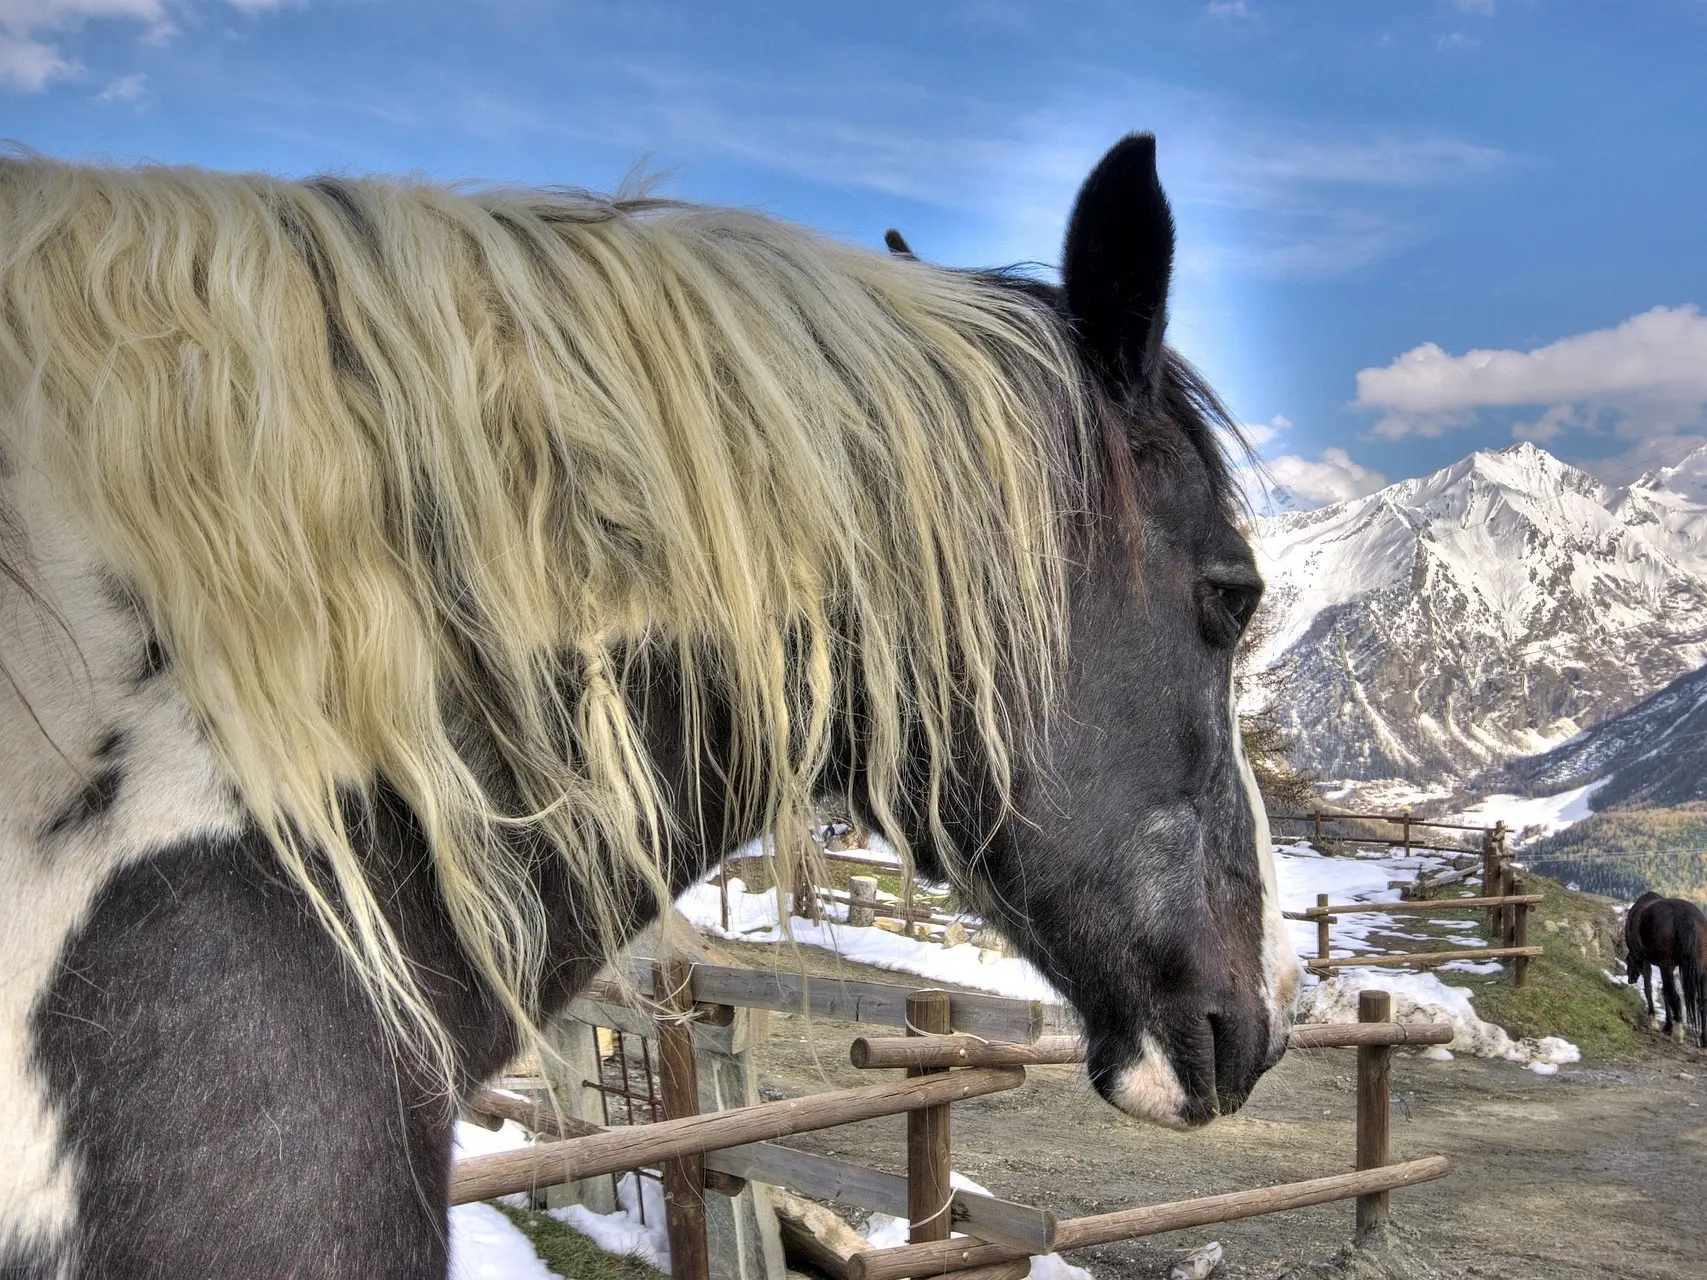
{"x":1624,"y":853}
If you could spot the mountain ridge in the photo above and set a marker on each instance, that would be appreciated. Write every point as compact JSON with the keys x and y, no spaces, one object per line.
{"x":1493,"y":609}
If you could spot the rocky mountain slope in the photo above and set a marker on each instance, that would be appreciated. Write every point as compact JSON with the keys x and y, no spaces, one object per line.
{"x":1653,"y":755}
{"x":1494,"y":609}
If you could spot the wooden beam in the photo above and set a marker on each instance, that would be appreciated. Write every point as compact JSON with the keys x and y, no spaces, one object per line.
{"x":879,"y":1052}
{"x":991,"y":1218}
{"x":482,"y":1177}
{"x":678,"y":1079}
{"x":944,"y":1256}
{"x":1374,"y":1087}
{"x":929,"y":1188}
{"x":1351,"y":1035}
{"x":1422,"y":957}
{"x":992,"y":1017}
{"x":1413,"y":908}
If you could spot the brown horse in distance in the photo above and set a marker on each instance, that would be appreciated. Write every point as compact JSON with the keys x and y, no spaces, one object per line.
{"x":1672,"y":934}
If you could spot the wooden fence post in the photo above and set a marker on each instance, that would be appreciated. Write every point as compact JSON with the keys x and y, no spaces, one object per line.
{"x":1488,"y":874}
{"x":1322,"y":923}
{"x":1374,"y":1085}
{"x":684,"y":1177}
{"x":928,"y":1184}
{"x":1407,"y":831}
{"x":1519,"y":931}
{"x":862,"y":901}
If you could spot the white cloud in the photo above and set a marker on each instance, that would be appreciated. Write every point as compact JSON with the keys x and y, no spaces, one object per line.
{"x":1235,"y":9}
{"x":1261,"y":433}
{"x":1333,"y":477}
{"x":33,"y":34}
{"x":126,"y":89}
{"x":1649,"y":374}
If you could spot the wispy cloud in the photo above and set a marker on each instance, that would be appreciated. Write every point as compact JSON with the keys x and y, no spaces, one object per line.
{"x":36,"y":35}
{"x":1236,"y":10}
{"x":1271,"y":196}
{"x":1332,"y":477}
{"x":127,"y":90}
{"x":1645,"y":376}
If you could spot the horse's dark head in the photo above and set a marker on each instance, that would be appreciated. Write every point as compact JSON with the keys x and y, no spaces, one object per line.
{"x":1135,"y":870}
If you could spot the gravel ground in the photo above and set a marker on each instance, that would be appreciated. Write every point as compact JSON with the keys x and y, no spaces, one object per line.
{"x":1598,"y":1171}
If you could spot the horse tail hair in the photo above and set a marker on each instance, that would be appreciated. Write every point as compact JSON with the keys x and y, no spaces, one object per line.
{"x":1694,"y":974}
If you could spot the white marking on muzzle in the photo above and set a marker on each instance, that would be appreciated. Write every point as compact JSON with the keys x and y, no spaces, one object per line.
{"x":1149,"y":1089}
{"x":1282,"y":974}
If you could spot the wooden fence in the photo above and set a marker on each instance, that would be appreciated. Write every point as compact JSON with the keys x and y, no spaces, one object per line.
{"x":949,"y":1055}
{"x":1505,"y":905}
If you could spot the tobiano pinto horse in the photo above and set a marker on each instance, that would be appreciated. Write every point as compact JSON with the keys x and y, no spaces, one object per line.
{"x":1670,"y":934}
{"x":403,"y":592}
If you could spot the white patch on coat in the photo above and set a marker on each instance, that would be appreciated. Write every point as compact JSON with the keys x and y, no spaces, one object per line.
{"x":1282,"y":973}
{"x":68,"y":682}
{"x":1149,"y":1089}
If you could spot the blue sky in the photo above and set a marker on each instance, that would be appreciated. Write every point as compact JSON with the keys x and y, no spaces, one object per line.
{"x":1408,"y":230}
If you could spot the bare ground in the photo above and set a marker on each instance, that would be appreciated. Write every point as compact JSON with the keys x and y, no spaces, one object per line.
{"x":1598,"y":1171}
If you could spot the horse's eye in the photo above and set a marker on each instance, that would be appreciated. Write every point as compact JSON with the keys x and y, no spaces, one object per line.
{"x":1227,"y":609}
{"x":1240,"y":602}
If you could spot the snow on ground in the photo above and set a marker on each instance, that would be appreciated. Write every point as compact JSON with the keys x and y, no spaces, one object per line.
{"x":753,"y":918}
{"x":1550,"y":813}
{"x":1423,"y":999}
{"x":623,"y":1231}
{"x":884,"y":1231}
{"x":484,"y":1244}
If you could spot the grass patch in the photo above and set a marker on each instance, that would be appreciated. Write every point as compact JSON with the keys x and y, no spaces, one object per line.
{"x":571,"y":1254}
{"x":1567,"y":993}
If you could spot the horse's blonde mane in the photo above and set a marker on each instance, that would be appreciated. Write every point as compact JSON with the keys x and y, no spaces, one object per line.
{"x":378,"y":458}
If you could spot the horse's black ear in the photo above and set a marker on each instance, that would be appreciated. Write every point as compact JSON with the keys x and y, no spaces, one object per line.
{"x":897,"y":244}
{"x":1116,"y":265}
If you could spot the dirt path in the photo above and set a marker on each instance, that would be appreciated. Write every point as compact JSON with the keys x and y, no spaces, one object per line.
{"x":1596,"y":1172}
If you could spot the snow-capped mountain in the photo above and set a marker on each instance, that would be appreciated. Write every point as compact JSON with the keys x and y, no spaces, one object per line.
{"x":1494,"y":609}
{"x":1653,"y":755}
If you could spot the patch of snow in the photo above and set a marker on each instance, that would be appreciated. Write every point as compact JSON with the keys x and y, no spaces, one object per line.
{"x":1520,"y":813}
{"x":622,"y":1232}
{"x":1422,"y":999}
{"x":473,"y":1140}
{"x":485,"y":1245}
{"x":1438,"y":1053}
{"x":1472,"y":966}
{"x":885,"y":1231}
{"x":753,"y":918}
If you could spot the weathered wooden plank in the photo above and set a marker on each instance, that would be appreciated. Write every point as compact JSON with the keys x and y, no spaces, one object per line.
{"x":879,"y":1052}
{"x":1351,"y":1035}
{"x":1413,"y":908}
{"x":822,"y":1177}
{"x":992,"y":1017}
{"x":991,"y":1218}
{"x":678,"y":1079}
{"x":1422,"y":957}
{"x":482,"y":1177}
{"x":942,"y":1256}
{"x":1374,"y":1087}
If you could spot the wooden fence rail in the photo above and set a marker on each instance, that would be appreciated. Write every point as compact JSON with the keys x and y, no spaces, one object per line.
{"x":959,"y":1256}
{"x":507,"y":1172}
{"x":1508,"y":914}
{"x":872,"y":1052}
{"x":946,"y":1061}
